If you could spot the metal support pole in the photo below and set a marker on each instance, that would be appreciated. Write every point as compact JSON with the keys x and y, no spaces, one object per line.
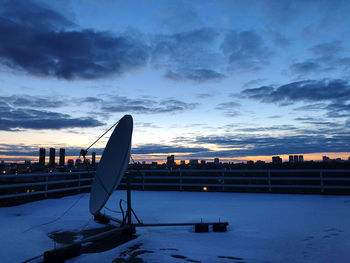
{"x":128,"y":192}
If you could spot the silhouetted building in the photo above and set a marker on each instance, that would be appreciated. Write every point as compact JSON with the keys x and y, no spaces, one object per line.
{"x":202,"y":162}
{"x":193,"y":162}
{"x":42,"y":153}
{"x":183,"y":162}
{"x":325,"y":159}
{"x":216,"y":161}
{"x":291,"y":160}
{"x":295,"y":158}
{"x":93,"y":159}
{"x":77,"y":162}
{"x":170,"y":160}
{"x":52,"y":157}
{"x":276,"y":160}
{"x":301,"y":158}
{"x":62,"y":156}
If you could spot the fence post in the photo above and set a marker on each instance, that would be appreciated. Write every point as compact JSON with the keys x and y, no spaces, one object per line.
{"x":180,"y":181}
{"x":223,"y":181}
{"x":79,"y":183}
{"x":46,"y":185}
{"x":269,"y":179}
{"x":321,"y":182}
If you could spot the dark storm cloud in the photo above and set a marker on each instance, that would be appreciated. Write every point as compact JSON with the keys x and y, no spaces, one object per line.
{"x":34,"y":39}
{"x":145,"y":106}
{"x":245,"y":50}
{"x":12,"y":119}
{"x":158,"y":148}
{"x":307,"y":91}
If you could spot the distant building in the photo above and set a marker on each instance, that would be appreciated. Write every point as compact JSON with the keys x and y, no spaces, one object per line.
{"x":62,"y":156}
{"x":52,"y":157}
{"x":216,"y":161}
{"x":183,"y":162}
{"x":291,"y":159}
{"x":193,"y":162}
{"x":276,"y":160}
{"x":154,"y":164}
{"x":202,"y":162}
{"x":295,"y":158}
{"x":42,"y":153}
{"x":70,"y":163}
{"x":170,"y":160}
{"x":93,"y":159}
{"x":77,"y":162}
{"x":301,"y":158}
{"x":325,"y":159}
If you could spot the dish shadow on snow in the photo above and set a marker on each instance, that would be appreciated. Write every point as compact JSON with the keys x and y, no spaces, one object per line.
{"x":107,"y":243}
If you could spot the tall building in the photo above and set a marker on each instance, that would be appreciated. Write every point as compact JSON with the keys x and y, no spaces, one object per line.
{"x":93,"y":159}
{"x":52,"y":157}
{"x":291,"y":158}
{"x":301,"y":158}
{"x":216,"y":161}
{"x":42,"y":153}
{"x":193,"y":161}
{"x":170,"y":160}
{"x":62,"y":156}
{"x":276,"y":160}
{"x":295,"y":158}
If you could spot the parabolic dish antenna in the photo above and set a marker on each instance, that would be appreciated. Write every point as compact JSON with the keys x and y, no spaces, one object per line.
{"x":113,"y":164}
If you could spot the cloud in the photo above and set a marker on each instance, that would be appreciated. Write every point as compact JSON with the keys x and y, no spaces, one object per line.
{"x":267,"y":145}
{"x":305,"y":91}
{"x":31,"y":101}
{"x":194,"y":74}
{"x":159,"y":148}
{"x":327,"y":48}
{"x":229,"y":108}
{"x":245,"y":50}
{"x":188,"y":55}
{"x":327,"y":56}
{"x":35,"y":40}
{"x":15,"y":118}
{"x":305,"y":67}
{"x":145,"y":106}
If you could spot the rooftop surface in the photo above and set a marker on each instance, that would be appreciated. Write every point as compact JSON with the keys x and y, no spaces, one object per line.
{"x":262,"y":228}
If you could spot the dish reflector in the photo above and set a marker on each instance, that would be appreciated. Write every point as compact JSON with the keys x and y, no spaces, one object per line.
{"x":113,"y":164}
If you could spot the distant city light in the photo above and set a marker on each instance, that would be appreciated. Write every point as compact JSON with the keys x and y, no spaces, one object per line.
{"x":205,"y":188}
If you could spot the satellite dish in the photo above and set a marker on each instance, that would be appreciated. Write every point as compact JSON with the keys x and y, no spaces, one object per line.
{"x":113,"y":164}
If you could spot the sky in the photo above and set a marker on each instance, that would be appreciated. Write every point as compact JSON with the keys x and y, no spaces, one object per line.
{"x":237,"y":80}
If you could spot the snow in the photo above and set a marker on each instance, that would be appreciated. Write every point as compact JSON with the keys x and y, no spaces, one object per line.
{"x":262,"y":227}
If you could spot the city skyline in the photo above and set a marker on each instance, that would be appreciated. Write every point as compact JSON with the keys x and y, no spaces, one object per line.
{"x":202,"y":79}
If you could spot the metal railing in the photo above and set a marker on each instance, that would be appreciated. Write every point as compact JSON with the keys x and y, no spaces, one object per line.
{"x":44,"y":185}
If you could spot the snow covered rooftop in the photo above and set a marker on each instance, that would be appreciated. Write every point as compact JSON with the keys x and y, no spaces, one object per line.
{"x":263,"y":228}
